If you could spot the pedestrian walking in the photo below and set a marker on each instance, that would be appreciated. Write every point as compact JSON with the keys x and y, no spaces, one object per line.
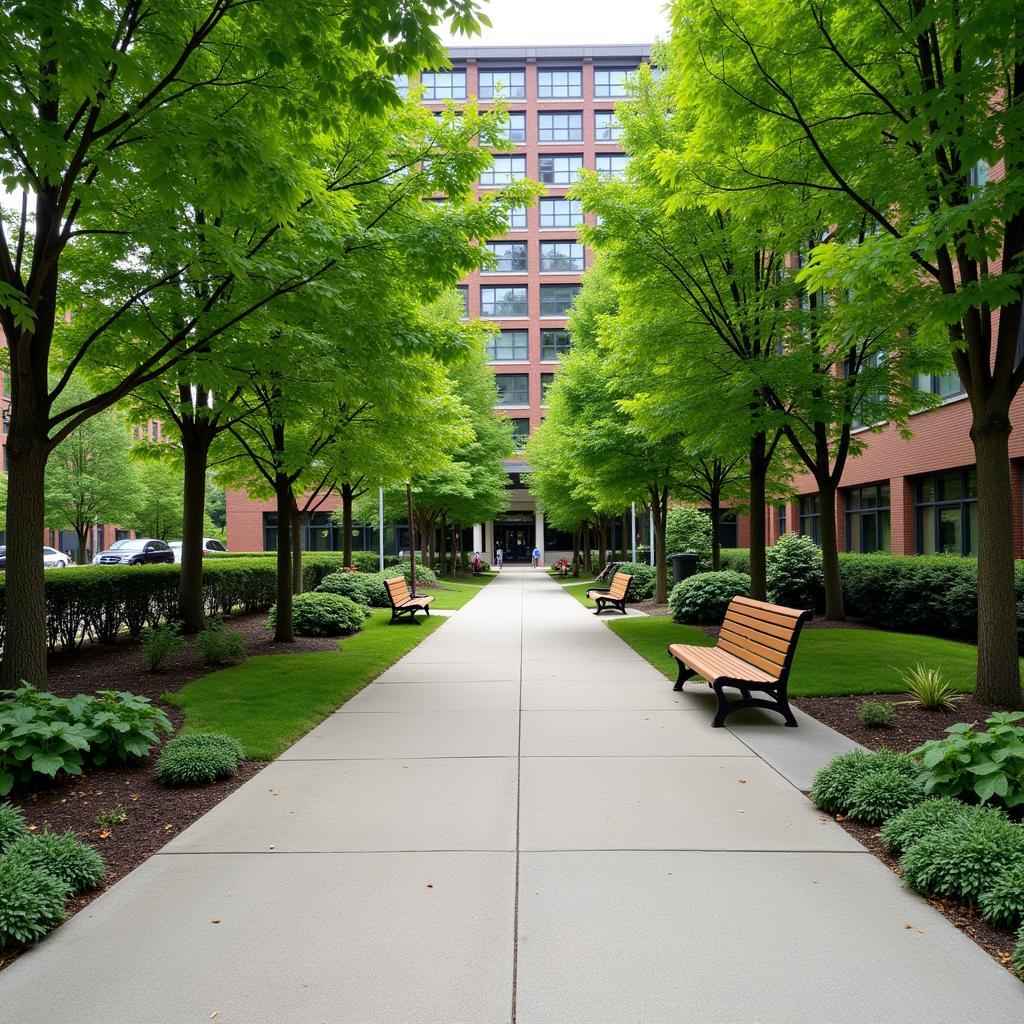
{"x":499,"y":558}
{"x":536,"y":557}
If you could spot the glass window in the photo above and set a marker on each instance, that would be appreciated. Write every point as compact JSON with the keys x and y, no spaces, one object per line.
{"x":810,"y":517}
{"x":560,"y":213}
{"x":505,"y":169}
{"x":511,"y":257}
{"x":561,"y":257}
{"x":728,"y":530}
{"x":508,"y":346}
{"x":611,"y":165}
{"x":513,"y":388}
{"x":611,"y":82}
{"x":517,"y":218}
{"x":607,"y":126}
{"x":947,"y":513}
{"x":464,"y":292}
{"x":560,"y":127}
{"x":503,"y":301}
{"x":559,"y":85}
{"x":555,"y":299}
{"x":945,"y":385}
{"x":546,"y":380}
{"x":556,"y":169}
{"x":520,"y":428}
{"x":554,"y":343}
{"x":868,"y":518}
{"x":443,"y":85}
{"x":515,"y":127}
{"x":401,"y":83}
{"x":510,"y":85}
{"x":782,"y":520}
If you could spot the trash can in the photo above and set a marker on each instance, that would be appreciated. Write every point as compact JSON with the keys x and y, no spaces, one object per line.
{"x":683,"y":566}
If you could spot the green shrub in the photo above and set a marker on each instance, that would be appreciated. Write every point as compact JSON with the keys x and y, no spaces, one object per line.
{"x":833,"y":786}
{"x":928,"y":816}
{"x":987,"y":765}
{"x":793,"y":572}
{"x":218,"y":643}
{"x":1003,"y":902}
{"x":736,"y":559}
{"x":12,"y":826}
{"x":320,"y":614}
{"x":929,"y":689}
{"x":424,"y":574}
{"x":125,"y":725}
{"x":877,"y":714}
{"x":198,"y":758}
{"x":1017,"y":957}
{"x":879,"y":795}
{"x":644,"y":582}
{"x":965,"y":859}
{"x":703,"y":599}
{"x":31,"y":902}
{"x":363,"y":588}
{"x":689,"y":530}
{"x":77,"y":865}
{"x":160,"y":643}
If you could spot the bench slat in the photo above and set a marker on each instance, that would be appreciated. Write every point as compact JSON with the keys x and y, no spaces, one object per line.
{"x":740,"y":618}
{"x":745,"y":655}
{"x":767,"y":646}
{"x":773,"y":613}
{"x":713,"y":663}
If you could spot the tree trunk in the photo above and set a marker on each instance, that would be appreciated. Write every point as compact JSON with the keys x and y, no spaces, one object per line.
{"x":25,"y":599}
{"x":576,"y":552}
{"x":81,"y":532}
{"x":998,"y":683}
{"x":283,"y":627}
{"x":758,"y":473}
{"x":716,"y":524}
{"x":442,"y":568}
{"x":588,"y":565}
{"x":830,"y":551}
{"x":659,"y":506}
{"x":347,"y":498}
{"x":195,"y":449}
{"x":624,"y":537}
{"x":295,"y":529}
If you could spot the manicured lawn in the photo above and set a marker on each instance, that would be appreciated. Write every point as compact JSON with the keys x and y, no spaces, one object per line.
{"x":829,"y":662}
{"x":456,"y":592}
{"x":579,"y":588}
{"x":267,"y":703}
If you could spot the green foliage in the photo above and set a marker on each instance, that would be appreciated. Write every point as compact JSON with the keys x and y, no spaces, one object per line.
{"x":965,"y":859}
{"x":219,"y":643}
{"x":198,"y":758}
{"x":363,"y":588}
{"x":12,"y":826}
{"x":366,"y":561}
{"x":160,"y":643}
{"x":929,"y":689}
{"x":834,"y":785}
{"x":737,"y":559}
{"x":424,"y":574}
{"x":208,"y":741}
{"x":875,"y":713}
{"x":794,"y":572}
{"x":911,"y":824}
{"x":74,"y":863}
{"x":160,"y":496}
{"x":124,"y":725}
{"x":645,"y":578}
{"x":879,"y":795}
{"x":689,"y":529}
{"x":702,"y":599}
{"x":325,"y":614}
{"x":1017,"y":957}
{"x":1003,"y":902}
{"x":31,"y":902}
{"x":111,"y":816}
{"x":985,"y":765}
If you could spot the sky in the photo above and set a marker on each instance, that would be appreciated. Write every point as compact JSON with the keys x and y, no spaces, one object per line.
{"x":568,"y":22}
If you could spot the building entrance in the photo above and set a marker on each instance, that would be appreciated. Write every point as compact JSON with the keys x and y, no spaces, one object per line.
{"x":515,"y":535}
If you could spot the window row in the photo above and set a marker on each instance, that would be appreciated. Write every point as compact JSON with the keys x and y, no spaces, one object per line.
{"x":514,"y":388}
{"x":563,"y":126}
{"x":552,"y":168}
{"x":513,"y":346}
{"x":510,"y":84}
{"x":555,"y":257}
{"x":501,"y":301}
{"x":552,"y":213}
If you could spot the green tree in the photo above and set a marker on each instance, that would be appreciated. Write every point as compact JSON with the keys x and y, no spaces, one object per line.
{"x":161,"y":493}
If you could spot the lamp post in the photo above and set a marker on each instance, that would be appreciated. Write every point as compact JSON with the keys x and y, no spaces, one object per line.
{"x":412,"y":539}
{"x":632,"y":527}
{"x":652,"y":536}
{"x":380,"y":524}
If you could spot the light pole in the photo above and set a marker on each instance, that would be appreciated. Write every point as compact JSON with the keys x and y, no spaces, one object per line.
{"x":412,"y":539}
{"x":632,"y":527}
{"x":380,"y":524}
{"x":652,"y":536}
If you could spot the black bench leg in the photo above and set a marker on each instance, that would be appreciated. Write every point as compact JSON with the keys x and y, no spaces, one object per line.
{"x":727,"y":707}
{"x":684,"y":674}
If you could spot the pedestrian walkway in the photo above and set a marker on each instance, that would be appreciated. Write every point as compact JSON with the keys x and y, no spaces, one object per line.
{"x":520,"y":821}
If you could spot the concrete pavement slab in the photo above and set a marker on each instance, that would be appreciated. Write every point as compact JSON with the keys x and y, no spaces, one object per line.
{"x":613,"y":668}
{"x":597,"y":695}
{"x":489,"y":696}
{"x":476,"y":671}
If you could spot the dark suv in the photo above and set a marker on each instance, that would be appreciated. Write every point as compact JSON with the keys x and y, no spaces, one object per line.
{"x":135,"y":552}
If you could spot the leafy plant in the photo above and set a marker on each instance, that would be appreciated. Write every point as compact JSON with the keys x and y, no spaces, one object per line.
{"x":833,"y":786}
{"x":31,"y":902}
{"x":878,"y":795}
{"x":218,"y":643}
{"x":198,"y":758}
{"x":702,"y":599}
{"x":929,"y":689}
{"x":34,"y":743}
{"x":928,"y":816}
{"x":125,"y":725}
{"x":794,"y":574}
{"x":208,"y":741}
{"x":1003,"y":903}
{"x":689,"y":530}
{"x":877,"y":714}
{"x":77,"y":865}
{"x":12,"y":826}
{"x":111,"y":816}
{"x":318,"y":614}
{"x":160,"y":643}
{"x":645,"y":579}
{"x":363,"y":588}
{"x":987,"y":765}
{"x":1017,"y":957}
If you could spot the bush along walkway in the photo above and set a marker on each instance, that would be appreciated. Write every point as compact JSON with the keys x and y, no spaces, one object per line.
{"x":520,"y":820}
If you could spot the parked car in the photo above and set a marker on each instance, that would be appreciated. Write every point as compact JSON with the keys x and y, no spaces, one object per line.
{"x":52,"y":558}
{"x":144,"y":551}
{"x":210,"y":545}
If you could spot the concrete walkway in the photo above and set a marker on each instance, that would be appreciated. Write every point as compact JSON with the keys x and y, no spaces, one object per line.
{"x":518,"y":822}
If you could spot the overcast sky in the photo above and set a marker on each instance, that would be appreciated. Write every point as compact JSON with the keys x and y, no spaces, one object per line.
{"x":565,"y":22}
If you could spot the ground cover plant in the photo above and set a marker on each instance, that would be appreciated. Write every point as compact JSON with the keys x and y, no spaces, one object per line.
{"x":198,"y":758}
{"x":77,"y":865}
{"x":219,"y":643}
{"x":928,"y":688}
{"x":875,"y":713}
{"x":851,"y":779}
{"x":158,"y":643}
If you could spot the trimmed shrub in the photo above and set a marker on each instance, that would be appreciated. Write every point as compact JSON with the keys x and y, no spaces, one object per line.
{"x":879,"y":795}
{"x":208,"y":741}
{"x":876,"y":714}
{"x":424,"y":574}
{"x":77,"y":865}
{"x":1003,"y":903}
{"x":833,"y":786}
{"x":793,"y":572}
{"x":965,"y":859}
{"x":198,"y":758}
{"x":363,"y":588}
{"x":31,"y":902}
{"x":736,"y":559}
{"x":320,"y":614}
{"x":645,"y":579}
{"x":689,"y":530}
{"x":12,"y":826}
{"x":366,"y":561}
{"x":160,"y":643}
{"x":928,"y":816}
{"x":217,"y":643}
{"x":703,"y":599}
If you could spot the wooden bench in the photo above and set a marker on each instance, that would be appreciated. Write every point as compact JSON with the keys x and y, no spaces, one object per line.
{"x":402,"y":602}
{"x":614,"y":596}
{"x":754,"y":652}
